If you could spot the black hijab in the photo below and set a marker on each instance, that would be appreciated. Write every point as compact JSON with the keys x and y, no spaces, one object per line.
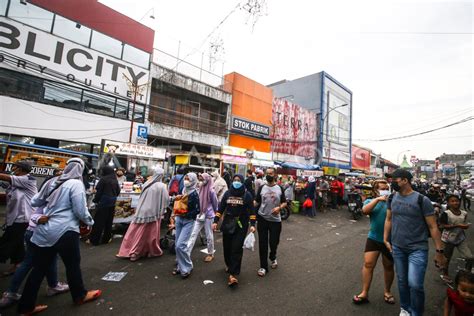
{"x":239,"y":192}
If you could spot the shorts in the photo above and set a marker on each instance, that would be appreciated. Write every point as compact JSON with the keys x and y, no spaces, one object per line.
{"x":373,"y":245}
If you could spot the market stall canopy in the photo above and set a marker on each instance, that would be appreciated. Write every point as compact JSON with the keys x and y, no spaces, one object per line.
{"x":295,"y":165}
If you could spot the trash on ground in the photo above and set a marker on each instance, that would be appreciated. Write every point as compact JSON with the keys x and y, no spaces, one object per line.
{"x":156,"y":277}
{"x":289,"y":239}
{"x":333,"y":226}
{"x":206,"y":282}
{"x":353,"y":221}
{"x":337,"y":234}
{"x":114,"y":276}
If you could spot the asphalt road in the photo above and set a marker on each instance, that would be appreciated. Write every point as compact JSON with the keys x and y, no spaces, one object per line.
{"x":319,"y":271}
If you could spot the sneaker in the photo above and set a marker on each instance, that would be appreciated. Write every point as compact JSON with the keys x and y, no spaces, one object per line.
{"x":58,"y":289}
{"x":274,"y":264}
{"x":9,"y":299}
{"x":404,"y":312}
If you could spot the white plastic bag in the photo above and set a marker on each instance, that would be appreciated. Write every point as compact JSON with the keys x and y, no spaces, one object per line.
{"x":249,"y":241}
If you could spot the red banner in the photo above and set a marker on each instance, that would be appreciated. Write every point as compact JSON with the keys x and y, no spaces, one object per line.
{"x":294,"y":129}
{"x":360,"y":158}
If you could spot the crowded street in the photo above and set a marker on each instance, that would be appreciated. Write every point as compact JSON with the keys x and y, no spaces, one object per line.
{"x":319,"y":274}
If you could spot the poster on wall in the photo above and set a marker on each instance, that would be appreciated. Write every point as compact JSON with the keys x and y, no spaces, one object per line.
{"x":294,"y":129}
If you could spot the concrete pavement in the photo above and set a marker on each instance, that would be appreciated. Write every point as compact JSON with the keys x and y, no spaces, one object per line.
{"x":319,"y":271}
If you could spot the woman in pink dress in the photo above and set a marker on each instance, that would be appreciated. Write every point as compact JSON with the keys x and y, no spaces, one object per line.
{"x":143,"y":235}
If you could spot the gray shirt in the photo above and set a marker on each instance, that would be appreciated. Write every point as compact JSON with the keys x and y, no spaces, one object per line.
{"x":409,"y":228}
{"x":268,"y":198}
{"x":19,"y":195}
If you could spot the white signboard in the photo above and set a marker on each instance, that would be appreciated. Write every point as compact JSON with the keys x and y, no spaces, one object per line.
{"x":26,"y":49}
{"x":309,"y":173}
{"x":128,"y":149}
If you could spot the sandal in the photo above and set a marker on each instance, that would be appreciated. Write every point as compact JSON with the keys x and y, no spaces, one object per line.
{"x":389,"y":299}
{"x":232,"y":281}
{"x":359,"y":300}
{"x":90,"y":296}
{"x":176,"y":271}
{"x":134,"y":258}
{"x":261,"y":272}
{"x":208,"y":258}
{"x":36,"y":310}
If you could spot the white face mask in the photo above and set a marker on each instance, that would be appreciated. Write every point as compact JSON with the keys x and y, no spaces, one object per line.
{"x":384,"y":192}
{"x":187,"y":183}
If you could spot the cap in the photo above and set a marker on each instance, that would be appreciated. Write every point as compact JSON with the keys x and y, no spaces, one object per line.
{"x":24,"y":165}
{"x":401,"y":173}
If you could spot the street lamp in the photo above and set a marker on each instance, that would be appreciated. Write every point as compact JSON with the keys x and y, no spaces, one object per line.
{"x":322,"y":123}
{"x":398,"y":157}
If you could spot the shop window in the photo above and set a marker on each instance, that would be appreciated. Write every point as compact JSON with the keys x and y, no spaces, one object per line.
{"x":139,"y":112}
{"x":121,"y":109}
{"x":136,"y":56}
{"x":106,"y":44}
{"x":31,"y":15}
{"x":71,"y":30}
{"x":98,"y":104}
{"x":63,"y":96}
{"x":20,"y":85}
{"x":80,"y":147}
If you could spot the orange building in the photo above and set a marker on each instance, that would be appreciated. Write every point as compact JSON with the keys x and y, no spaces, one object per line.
{"x":251,"y":113}
{"x":251,"y":121}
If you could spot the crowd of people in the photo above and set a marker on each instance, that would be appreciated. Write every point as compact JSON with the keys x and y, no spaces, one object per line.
{"x":46,"y":224}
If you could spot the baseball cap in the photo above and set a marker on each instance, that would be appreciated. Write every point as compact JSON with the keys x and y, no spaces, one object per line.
{"x":401,"y":173}
{"x":24,"y":165}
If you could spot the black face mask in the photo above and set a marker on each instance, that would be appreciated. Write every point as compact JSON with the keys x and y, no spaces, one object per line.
{"x":269,"y":178}
{"x":395,"y":186}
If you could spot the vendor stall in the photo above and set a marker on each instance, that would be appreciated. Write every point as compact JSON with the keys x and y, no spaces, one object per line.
{"x":138,"y":160}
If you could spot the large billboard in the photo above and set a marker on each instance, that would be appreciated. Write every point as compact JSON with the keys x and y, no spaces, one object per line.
{"x":336,"y":124}
{"x":25,"y":49}
{"x":294,"y":129}
{"x":360,"y":158}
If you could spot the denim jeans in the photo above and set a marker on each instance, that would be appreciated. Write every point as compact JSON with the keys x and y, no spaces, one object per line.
{"x":68,"y":249}
{"x":27,"y":264}
{"x":184,"y":228}
{"x":410,"y":266}
{"x":197,"y":228}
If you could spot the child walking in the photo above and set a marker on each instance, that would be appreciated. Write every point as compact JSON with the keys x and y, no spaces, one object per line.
{"x":461,"y":299}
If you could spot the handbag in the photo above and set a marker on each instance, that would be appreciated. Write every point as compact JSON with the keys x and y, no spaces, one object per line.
{"x":229,"y":225}
{"x":454,"y":236}
{"x":308,"y":203}
{"x":180,"y":207}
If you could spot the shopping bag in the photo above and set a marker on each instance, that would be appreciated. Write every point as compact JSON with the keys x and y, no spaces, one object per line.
{"x":249,"y":242}
{"x":308,"y":203}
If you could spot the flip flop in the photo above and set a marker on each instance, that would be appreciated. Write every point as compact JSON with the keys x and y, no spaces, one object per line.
{"x":359,"y":300}
{"x":389,"y":299}
{"x":36,"y":310}
{"x":90,"y":296}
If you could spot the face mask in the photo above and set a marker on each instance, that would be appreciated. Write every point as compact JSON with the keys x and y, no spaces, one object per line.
{"x":384,"y":192}
{"x":396,"y":186}
{"x":269,"y":178}
{"x":187,"y":183}
{"x":237,"y":185}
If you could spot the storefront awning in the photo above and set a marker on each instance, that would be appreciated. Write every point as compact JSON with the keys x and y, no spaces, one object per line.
{"x":295,"y":165}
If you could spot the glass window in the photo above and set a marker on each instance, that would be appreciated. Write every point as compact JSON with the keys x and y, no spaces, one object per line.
{"x":121,"y":109}
{"x":106,"y":44}
{"x":62,"y":95}
{"x":98,"y":104}
{"x":136,"y":56}
{"x":139,"y":112}
{"x":71,"y":30}
{"x":20,"y":85}
{"x":3,"y":7}
{"x":31,"y":15}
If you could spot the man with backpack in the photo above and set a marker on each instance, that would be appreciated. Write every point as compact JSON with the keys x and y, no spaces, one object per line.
{"x":176,"y":184}
{"x":409,"y":223}
{"x":270,"y":199}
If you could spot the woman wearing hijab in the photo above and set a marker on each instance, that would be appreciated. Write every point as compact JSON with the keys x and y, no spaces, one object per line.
{"x":311,"y":194}
{"x":208,"y":207}
{"x":184,"y":223}
{"x":220,"y":186}
{"x":237,"y":204}
{"x":108,"y":189}
{"x":143,"y":235}
{"x":63,"y":201}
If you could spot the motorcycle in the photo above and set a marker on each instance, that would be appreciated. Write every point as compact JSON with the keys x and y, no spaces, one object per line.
{"x":355,"y":205}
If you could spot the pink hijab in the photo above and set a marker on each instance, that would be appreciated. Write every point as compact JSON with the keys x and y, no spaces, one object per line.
{"x":205,"y":192}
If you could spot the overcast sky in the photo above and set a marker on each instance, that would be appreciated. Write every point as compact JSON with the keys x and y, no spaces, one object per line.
{"x":409,"y":64}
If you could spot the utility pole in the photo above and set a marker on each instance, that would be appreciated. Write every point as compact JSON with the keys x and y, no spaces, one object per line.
{"x":136,"y":89}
